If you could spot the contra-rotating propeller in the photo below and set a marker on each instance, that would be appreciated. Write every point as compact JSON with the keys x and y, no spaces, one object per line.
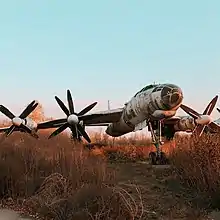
{"x":17,"y":121}
{"x":72,"y":120}
{"x":203,"y":120}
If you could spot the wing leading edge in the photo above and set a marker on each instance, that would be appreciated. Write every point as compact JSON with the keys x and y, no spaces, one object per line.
{"x":102,"y":118}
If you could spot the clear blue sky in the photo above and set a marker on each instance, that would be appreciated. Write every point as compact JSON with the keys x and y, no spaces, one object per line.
{"x":107,"y":50}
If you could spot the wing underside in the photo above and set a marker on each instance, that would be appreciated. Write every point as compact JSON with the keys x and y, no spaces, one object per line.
{"x":102,"y":118}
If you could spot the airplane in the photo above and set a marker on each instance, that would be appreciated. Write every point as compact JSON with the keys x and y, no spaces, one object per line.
{"x":154,"y":106}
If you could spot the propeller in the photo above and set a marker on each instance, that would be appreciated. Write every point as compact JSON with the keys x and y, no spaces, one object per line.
{"x":17,"y":121}
{"x":203,"y":120}
{"x":72,"y":121}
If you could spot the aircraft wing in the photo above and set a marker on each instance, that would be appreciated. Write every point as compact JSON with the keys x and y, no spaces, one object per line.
{"x":102,"y":118}
{"x":51,"y":124}
{"x":6,"y":128}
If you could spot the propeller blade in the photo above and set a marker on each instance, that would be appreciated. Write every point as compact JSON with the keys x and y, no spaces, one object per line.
{"x":210,"y":106}
{"x":83,"y":132}
{"x":62,"y":106}
{"x":70,"y":102}
{"x":59,"y":130}
{"x":6,"y":112}
{"x":74,"y":131}
{"x":218,"y":110}
{"x":10,"y":130}
{"x":51,"y":124}
{"x":87,"y":109}
{"x":28,"y":130}
{"x":190,"y":111}
{"x":30,"y":108}
{"x":199,"y":130}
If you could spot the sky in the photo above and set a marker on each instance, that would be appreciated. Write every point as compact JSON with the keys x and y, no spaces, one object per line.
{"x":107,"y":50}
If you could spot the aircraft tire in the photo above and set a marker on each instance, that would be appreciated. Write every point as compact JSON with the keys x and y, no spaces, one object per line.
{"x":153,"y":158}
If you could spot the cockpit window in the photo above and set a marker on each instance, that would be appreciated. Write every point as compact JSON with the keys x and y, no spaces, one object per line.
{"x":146,"y":88}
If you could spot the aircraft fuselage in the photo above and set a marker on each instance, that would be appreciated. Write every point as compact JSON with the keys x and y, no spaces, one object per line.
{"x":153,"y":102}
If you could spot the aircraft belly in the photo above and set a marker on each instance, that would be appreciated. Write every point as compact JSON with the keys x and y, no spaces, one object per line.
{"x":138,"y":119}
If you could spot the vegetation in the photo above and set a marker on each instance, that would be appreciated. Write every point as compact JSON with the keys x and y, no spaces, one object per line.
{"x":59,"y":179}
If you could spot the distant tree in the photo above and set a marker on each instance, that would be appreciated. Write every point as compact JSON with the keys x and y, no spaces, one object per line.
{"x":38,"y":114}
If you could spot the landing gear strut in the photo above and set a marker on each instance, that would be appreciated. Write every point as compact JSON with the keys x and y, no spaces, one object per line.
{"x":157,"y":157}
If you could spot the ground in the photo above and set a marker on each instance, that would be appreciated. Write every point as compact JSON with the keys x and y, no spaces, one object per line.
{"x":163,"y":197}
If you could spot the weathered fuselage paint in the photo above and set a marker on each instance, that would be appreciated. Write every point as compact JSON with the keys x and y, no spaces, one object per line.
{"x":153,"y":102}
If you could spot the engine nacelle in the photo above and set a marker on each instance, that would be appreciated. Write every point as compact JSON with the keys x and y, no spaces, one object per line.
{"x":185,"y":124}
{"x":30,"y":124}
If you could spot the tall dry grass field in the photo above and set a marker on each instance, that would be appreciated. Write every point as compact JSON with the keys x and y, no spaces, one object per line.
{"x":60,"y":180}
{"x":196,"y":162}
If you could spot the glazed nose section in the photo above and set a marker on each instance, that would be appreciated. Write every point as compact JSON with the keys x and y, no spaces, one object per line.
{"x":171,"y":96}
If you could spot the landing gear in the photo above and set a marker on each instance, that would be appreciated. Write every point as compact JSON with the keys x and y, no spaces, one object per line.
{"x":155,"y":160}
{"x":157,"y":157}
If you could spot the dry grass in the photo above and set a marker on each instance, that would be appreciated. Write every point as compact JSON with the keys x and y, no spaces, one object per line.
{"x":196,"y":162}
{"x":130,"y":149}
{"x":60,"y":180}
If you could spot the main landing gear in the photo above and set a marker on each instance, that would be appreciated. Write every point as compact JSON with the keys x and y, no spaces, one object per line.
{"x":157,"y":157}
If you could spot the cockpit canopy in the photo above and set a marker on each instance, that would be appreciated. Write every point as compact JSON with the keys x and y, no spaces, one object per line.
{"x":146,"y":88}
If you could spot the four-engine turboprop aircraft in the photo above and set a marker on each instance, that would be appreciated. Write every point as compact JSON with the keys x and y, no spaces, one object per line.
{"x":154,"y":106}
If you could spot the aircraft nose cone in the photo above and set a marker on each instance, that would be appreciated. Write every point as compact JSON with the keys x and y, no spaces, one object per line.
{"x":16,"y":121}
{"x":171,"y":96}
{"x":73,"y":119}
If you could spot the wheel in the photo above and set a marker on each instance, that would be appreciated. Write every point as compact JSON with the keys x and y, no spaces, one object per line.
{"x":153,"y":158}
{"x":163,"y":159}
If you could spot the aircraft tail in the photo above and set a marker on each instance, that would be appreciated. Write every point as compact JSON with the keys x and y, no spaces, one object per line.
{"x":108,"y":105}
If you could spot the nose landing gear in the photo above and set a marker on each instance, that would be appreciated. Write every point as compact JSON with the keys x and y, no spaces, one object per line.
{"x":158,"y":157}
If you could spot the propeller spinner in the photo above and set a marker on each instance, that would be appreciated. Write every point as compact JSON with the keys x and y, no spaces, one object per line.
{"x":72,"y":120}
{"x":17,"y":122}
{"x":203,"y":120}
